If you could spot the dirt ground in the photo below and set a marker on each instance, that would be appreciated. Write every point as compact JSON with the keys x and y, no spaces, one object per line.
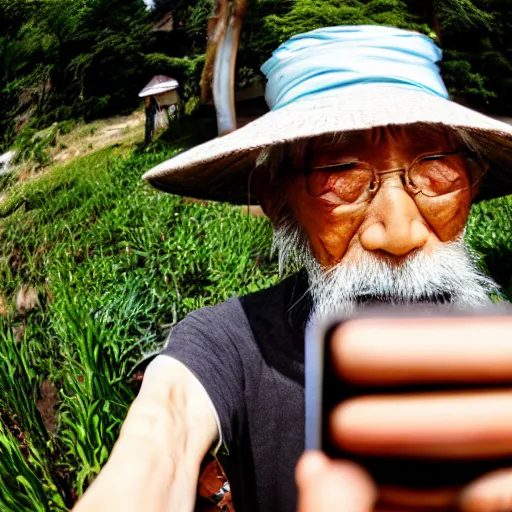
{"x":90,"y":137}
{"x":82,"y":140}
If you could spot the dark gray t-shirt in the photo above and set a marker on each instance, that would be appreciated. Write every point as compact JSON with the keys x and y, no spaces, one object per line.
{"x":248,"y":353}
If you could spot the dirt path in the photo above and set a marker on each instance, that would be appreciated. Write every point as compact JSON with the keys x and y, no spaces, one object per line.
{"x":99,"y":134}
{"x":82,"y":140}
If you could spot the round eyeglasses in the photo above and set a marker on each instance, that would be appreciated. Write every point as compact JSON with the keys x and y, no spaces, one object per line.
{"x":430,"y":175}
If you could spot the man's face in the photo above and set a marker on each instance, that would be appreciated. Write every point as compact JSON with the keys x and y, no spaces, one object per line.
{"x":343,"y":221}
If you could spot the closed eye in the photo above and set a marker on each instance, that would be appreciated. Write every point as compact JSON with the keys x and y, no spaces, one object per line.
{"x":339,"y":166}
{"x":435,"y":157}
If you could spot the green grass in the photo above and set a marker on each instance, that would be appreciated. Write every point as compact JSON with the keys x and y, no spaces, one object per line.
{"x":115,"y":265}
{"x":489,"y":234}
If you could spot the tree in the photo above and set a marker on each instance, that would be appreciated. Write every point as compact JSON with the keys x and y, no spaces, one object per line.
{"x":69,"y":58}
{"x":62,"y":59}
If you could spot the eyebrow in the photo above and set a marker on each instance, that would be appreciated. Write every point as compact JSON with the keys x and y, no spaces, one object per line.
{"x":338,"y":164}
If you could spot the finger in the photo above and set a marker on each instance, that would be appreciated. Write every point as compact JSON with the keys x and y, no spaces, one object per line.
{"x":432,"y":500}
{"x":431,"y":425}
{"x":391,"y":351}
{"x":490,"y":493}
{"x":332,"y":486}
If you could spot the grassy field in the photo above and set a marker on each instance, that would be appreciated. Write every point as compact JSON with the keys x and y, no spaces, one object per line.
{"x":96,"y":267}
{"x":106,"y":266}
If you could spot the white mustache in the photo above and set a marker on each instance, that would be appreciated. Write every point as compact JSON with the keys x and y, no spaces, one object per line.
{"x":446,"y":275}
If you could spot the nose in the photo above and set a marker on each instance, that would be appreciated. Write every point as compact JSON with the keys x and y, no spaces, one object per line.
{"x":394,"y":225}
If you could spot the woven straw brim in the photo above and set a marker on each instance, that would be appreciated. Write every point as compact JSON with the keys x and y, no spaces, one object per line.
{"x":219,"y":169}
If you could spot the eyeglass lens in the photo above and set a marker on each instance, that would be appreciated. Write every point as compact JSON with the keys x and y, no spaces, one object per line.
{"x":355,"y":182}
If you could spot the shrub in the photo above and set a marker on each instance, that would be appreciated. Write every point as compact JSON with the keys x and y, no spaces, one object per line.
{"x":116,"y":265}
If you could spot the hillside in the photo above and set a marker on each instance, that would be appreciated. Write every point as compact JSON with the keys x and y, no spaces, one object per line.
{"x":96,"y":268}
{"x":88,"y":59}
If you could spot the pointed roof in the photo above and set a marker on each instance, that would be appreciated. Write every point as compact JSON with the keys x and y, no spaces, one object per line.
{"x":158,"y":85}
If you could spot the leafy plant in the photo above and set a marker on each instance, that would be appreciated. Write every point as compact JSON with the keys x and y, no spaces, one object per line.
{"x":116,"y":265}
{"x":489,"y":228}
{"x":24,"y":482}
{"x":32,"y":145}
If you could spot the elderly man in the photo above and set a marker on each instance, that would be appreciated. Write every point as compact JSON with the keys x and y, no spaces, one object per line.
{"x":367,"y":172}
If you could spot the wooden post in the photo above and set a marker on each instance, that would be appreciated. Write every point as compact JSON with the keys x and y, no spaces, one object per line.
{"x":151,"y":110}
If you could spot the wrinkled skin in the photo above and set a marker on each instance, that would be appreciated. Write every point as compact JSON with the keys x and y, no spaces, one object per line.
{"x":392,"y":222}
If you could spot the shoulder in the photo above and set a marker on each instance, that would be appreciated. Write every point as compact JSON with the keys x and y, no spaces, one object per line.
{"x":232,"y":314}
{"x":270,"y":321}
{"x":287,"y":302}
{"x":224,"y":318}
{"x":277,"y":317}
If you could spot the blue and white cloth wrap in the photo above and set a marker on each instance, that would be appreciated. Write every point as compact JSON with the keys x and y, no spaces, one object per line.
{"x":339,"y":57}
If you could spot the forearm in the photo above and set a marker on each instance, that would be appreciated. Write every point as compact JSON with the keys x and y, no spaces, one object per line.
{"x":143,"y":472}
{"x":154,"y":465}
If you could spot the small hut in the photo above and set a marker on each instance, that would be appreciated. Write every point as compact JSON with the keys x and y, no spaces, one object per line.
{"x":161,"y":98}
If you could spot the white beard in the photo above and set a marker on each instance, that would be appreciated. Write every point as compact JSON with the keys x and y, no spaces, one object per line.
{"x":447,"y":275}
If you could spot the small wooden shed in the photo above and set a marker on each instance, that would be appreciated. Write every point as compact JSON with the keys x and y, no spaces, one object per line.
{"x":161,"y":96}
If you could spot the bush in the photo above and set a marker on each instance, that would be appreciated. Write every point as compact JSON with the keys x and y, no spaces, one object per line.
{"x":31,"y":145}
{"x":490,"y":235}
{"x":115,"y":264}
{"x":66,"y":127}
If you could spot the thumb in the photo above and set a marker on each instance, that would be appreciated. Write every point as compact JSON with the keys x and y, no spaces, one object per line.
{"x":490,"y":493}
{"x":333,"y":486}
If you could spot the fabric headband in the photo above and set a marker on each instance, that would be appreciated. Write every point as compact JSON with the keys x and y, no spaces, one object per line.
{"x":336,"y":57}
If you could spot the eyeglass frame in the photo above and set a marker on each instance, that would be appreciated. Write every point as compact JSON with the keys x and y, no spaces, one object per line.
{"x":409,"y":187}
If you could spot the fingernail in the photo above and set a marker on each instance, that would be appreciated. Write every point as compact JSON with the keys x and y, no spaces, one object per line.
{"x":312,"y":462}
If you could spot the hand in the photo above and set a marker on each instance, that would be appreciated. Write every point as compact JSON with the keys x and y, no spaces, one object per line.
{"x":327,"y":486}
{"x":464,"y":425}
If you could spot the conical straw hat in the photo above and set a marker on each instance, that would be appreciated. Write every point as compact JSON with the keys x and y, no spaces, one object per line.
{"x":327,"y":101}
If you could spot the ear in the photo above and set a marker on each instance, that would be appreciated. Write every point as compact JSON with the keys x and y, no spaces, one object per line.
{"x":475,"y":189}
{"x":477,"y":171}
{"x":260,"y":183}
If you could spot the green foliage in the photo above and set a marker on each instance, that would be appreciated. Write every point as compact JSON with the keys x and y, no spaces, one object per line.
{"x":474,"y":35}
{"x":489,"y":229}
{"x":25,"y":460}
{"x":94,"y":388}
{"x":82,"y":59}
{"x":31,"y":145}
{"x":25,"y":483}
{"x":197,"y":21}
{"x":186,"y":70}
{"x":462,"y":81}
{"x":116,"y":265}
{"x":265,"y":31}
{"x":461,"y":15}
{"x":62,"y":59}
{"x":477,"y":68}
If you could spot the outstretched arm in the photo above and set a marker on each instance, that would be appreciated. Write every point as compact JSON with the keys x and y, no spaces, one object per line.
{"x":154,"y":465}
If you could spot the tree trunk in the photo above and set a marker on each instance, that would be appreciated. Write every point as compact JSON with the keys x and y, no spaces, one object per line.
{"x":151,"y":110}
{"x":436,"y":26}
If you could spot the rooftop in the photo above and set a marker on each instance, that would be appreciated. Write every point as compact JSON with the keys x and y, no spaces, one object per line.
{"x":159,"y":84}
